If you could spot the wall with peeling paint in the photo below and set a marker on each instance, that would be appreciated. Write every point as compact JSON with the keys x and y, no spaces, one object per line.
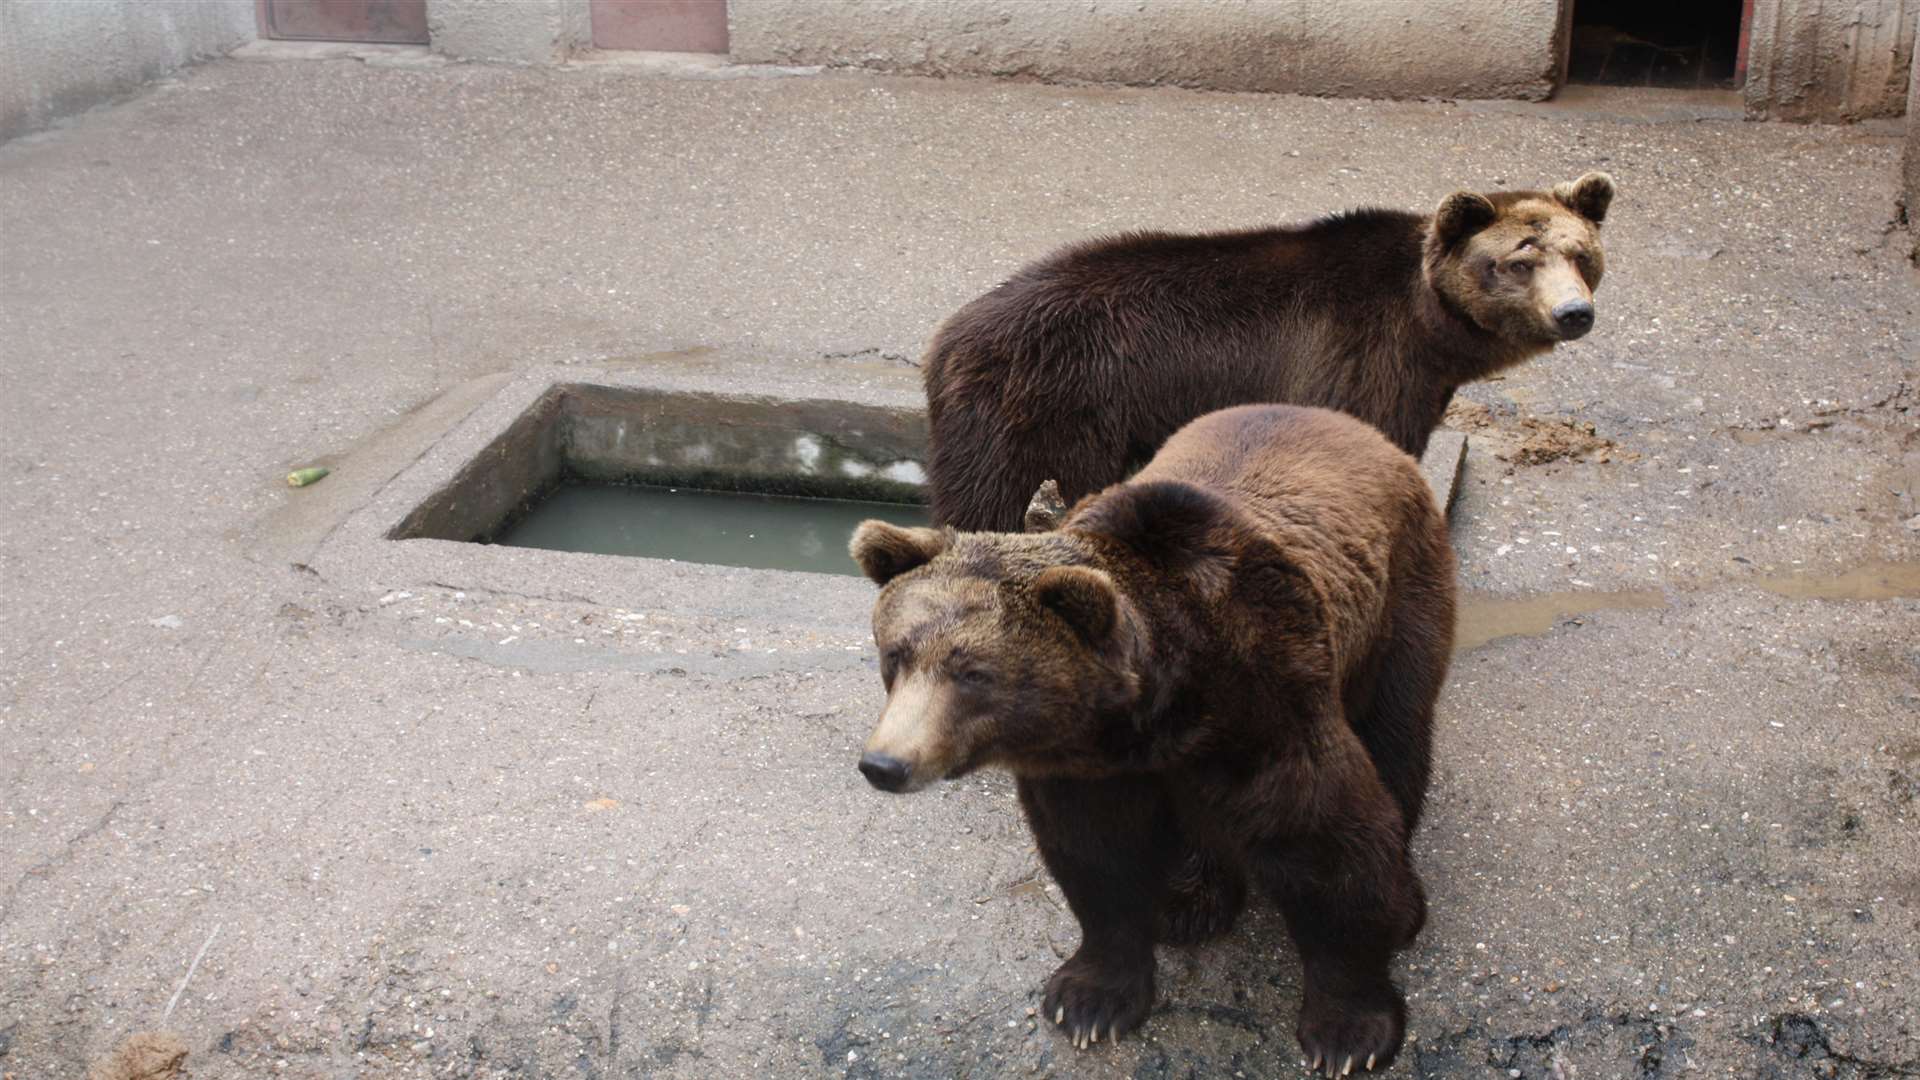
{"x":1817,"y":60}
{"x":1357,"y":48}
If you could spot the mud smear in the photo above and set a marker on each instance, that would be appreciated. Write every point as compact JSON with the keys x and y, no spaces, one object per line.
{"x":1490,"y":618}
{"x":691,"y":357}
{"x":1873,"y":581}
{"x":1544,"y":441}
{"x":1530,"y":440}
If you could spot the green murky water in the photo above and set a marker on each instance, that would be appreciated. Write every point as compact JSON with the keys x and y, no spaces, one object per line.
{"x":766,"y":532}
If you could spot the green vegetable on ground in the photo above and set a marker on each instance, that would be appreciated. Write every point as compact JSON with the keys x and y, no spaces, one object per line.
{"x":303,"y":477}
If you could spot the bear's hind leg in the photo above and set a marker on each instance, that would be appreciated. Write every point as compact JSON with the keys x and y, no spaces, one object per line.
{"x":1396,"y":720}
{"x":1204,"y":896}
{"x":1351,"y":1014}
{"x":1109,"y":843}
{"x":1350,"y":898}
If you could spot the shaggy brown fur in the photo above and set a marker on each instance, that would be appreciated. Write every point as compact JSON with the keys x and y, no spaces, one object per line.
{"x":1081,"y":364}
{"x":1221,"y":672}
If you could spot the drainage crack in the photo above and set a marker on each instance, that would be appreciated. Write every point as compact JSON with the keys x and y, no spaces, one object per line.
{"x":1802,"y":1038}
{"x":65,"y":855}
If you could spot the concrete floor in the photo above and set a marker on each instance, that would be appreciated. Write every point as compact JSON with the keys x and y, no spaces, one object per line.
{"x":1675,"y":826}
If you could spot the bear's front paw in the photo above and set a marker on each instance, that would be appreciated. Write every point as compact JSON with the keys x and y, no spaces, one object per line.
{"x":1342,"y":1033}
{"x":1203,"y":900}
{"x":1091,"y":997}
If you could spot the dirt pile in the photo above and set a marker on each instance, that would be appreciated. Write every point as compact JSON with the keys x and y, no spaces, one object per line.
{"x":1530,"y":440}
{"x":143,"y":1055}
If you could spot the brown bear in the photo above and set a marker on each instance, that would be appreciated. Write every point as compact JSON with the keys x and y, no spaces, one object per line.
{"x":1080,"y":364}
{"x":1237,"y":653}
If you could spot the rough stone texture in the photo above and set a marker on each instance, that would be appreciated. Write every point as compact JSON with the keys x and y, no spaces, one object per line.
{"x":1910,"y":202}
{"x":1352,"y":48}
{"x":1821,"y":61}
{"x":60,"y":56}
{"x":513,"y":31}
{"x":602,"y":817}
{"x":1441,"y":465}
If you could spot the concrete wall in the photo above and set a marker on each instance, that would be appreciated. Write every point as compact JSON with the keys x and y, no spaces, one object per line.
{"x":60,"y":56}
{"x":1809,"y":59}
{"x":1817,"y":60}
{"x":1372,"y":48}
{"x":515,"y":31}
{"x":1910,"y":202}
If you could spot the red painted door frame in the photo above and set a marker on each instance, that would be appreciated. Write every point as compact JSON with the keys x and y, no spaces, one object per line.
{"x":1746,"y":34}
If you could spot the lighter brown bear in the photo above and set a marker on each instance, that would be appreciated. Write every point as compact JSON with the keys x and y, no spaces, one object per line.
{"x":1228,"y":662}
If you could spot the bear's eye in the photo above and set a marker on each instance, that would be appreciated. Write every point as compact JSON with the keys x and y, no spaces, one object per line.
{"x":890,"y":661}
{"x":1520,"y":268}
{"x":974,"y":678}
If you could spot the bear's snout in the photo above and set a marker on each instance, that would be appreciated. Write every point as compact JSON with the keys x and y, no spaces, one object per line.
{"x":884,"y":771}
{"x":1574,"y":318}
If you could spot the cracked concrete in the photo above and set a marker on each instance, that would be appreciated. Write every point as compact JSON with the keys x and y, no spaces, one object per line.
{"x":1667,"y":838}
{"x":59,"y":858}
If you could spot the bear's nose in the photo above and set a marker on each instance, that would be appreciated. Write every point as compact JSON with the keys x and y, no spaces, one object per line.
{"x":883,"y":772}
{"x":1574,"y":317}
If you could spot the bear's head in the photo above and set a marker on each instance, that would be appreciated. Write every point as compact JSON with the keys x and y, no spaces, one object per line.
{"x":996,"y":649}
{"x":1522,"y":265}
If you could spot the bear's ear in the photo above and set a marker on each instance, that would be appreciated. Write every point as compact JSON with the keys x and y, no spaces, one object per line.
{"x":1170,"y":524}
{"x":1084,"y":597}
{"x":886,"y":551}
{"x":1588,"y":196}
{"x":1461,"y":214}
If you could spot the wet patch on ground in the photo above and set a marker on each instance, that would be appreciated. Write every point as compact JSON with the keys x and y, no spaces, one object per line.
{"x":1485,"y":619}
{"x":1873,"y":581}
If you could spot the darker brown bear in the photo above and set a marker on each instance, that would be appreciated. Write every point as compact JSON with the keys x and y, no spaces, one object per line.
{"x":1079,"y":365}
{"x":1228,"y":662}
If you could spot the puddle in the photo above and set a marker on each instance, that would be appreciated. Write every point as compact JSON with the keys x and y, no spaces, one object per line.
{"x":1485,"y":619}
{"x":763,"y":532}
{"x":1489,"y":618}
{"x":1873,"y":581}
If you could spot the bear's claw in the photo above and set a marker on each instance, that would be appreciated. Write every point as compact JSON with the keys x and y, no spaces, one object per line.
{"x":1344,"y":1031}
{"x":1095,"y":997}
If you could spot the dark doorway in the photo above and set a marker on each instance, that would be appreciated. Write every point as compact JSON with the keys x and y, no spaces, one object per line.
{"x":1667,"y":43}
{"x":397,"y":22}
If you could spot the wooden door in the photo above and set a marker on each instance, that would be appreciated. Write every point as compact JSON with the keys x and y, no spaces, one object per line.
{"x":396,"y":22}
{"x":661,"y":25}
